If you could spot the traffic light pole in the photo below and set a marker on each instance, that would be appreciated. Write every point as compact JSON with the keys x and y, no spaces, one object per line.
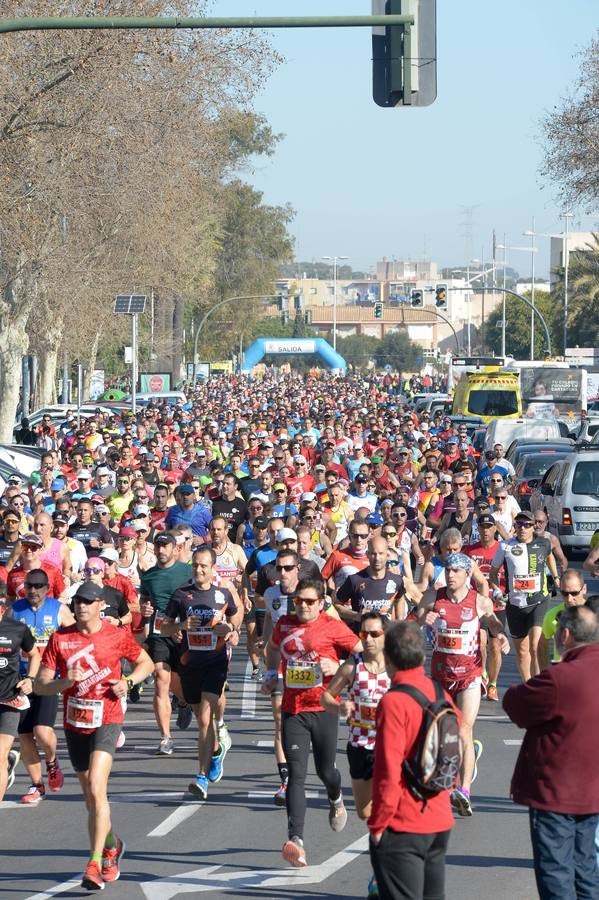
{"x":87,"y":23}
{"x":205,"y":318}
{"x":532,"y":306}
{"x":434,"y":312}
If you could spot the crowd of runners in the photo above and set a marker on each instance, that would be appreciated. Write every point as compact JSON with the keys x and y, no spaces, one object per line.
{"x":300,"y":515}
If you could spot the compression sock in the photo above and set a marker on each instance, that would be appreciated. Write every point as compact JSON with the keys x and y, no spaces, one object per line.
{"x":110,"y":840}
{"x":95,"y":857}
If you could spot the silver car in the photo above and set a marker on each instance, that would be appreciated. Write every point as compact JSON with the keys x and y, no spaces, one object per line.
{"x":570,"y":496}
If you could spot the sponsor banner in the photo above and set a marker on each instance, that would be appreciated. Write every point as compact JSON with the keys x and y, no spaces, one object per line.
{"x":548,"y":392}
{"x":155,"y":382}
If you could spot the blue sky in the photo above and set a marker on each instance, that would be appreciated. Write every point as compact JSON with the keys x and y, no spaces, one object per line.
{"x":368,"y":182}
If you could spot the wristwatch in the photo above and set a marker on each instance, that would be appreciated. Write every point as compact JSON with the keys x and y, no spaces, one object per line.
{"x":130,"y":684}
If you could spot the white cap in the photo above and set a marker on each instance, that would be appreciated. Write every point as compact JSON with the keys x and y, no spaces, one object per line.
{"x":109,"y":553}
{"x":141,"y":509}
{"x":308,"y":496}
{"x":286,"y":534}
{"x":84,"y":473}
{"x":139,"y":524}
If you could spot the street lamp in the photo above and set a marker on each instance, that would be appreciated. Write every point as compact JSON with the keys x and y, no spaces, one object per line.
{"x":334,"y":260}
{"x":566,"y":260}
{"x":533,"y":249}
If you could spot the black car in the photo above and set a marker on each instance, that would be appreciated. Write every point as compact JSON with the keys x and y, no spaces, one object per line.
{"x":522,"y":446}
{"x":529,"y":473}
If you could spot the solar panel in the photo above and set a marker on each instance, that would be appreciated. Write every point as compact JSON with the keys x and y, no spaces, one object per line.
{"x":130,"y":304}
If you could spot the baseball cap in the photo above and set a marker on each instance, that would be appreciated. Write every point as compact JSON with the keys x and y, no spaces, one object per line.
{"x":320,"y":468}
{"x":164,"y":538}
{"x":186,"y":489}
{"x":127,"y":532}
{"x":109,"y":553}
{"x":524,"y":516}
{"x":279,"y":486}
{"x":102,"y":508}
{"x":57,"y":484}
{"x":140,"y":509}
{"x":452,"y":440}
{"x":103,"y":470}
{"x":286,"y":534}
{"x":89,"y":592}
{"x":387,"y":502}
{"x":200,"y":451}
{"x":361,"y":479}
{"x":374,"y":519}
{"x":139,"y":525}
{"x":261,"y":522}
{"x":486,"y":519}
{"x":490,"y":454}
{"x":299,"y":458}
{"x":446,"y":478}
{"x":32,"y":539}
{"x":15,"y":479}
{"x":60,"y":518}
{"x":84,"y":473}
{"x":376,"y":459}
{"x":308,"y":496}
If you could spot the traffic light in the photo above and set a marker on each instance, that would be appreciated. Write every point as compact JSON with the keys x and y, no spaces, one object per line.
{"x":441,"y":296}
{"x":298,"y":301}
{"x":378,"y":310}
{"x":404,"y":57}
{"x":284,"y":317}
{"x":417,"y":298}
{"x":282,"y":298}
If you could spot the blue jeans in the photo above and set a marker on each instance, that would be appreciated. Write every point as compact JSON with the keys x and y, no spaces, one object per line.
{"x":564,"y":855}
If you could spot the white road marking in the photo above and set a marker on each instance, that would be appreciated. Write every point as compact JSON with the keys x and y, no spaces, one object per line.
{"x":184,"y":812}
{"x":265,"y":743}
{"x":57,"y":889}
{"x":16,"y":804}
{"x":209,"y":879}
{"x":260,"y":795}
{"x":512,"y":742}
{"x":248,"y":697}
{"x":492,"y":718}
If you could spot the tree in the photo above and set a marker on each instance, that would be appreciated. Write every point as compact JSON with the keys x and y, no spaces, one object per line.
{"x":398,"y":351}
{"x":571,"y":135}
{"x":583,"y":296}
{"x":358,"y":349}
{"x":517,"y":315}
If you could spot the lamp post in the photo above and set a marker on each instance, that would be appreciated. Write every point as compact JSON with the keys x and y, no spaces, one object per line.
{"x":334,"y":260}
{"x":566,"y":260}
{"x":533,"y":248}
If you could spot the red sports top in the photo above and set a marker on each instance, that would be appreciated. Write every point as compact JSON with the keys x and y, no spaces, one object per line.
{"x":15,"y":584}
{"x":302,"y":647}
{"x":456,"y":659}
{"x":99,"y":655}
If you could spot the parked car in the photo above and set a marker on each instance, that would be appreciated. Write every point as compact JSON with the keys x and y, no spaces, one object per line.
{"x":569,"y":492}
{"x":530,"y":469}
{"x":518,"y":448}
{"x":504,"y":431}
{"x":23,"y":459}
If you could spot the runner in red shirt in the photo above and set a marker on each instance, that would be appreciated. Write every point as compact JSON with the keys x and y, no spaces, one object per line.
{"x":87,"y":657}
{"x":342,"y":563}
{"x":309,"y":645}
{"x":31,"y":547}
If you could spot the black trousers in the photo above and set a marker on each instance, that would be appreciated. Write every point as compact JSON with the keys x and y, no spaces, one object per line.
{"x":297,"y":731}
{"x":410,"y":866}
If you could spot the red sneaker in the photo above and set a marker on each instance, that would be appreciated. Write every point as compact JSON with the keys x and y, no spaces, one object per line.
{"x":55,"y":776}
{"x":293,"y":852}
{"x":33,"y":796}
{"x":111,"y":857}
{"x":92,"y":877}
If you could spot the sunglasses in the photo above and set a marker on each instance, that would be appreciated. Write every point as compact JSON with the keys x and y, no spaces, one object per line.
{"x":387,"y":534}
{"x":81,"y":600}
{"x":501,"y":496}
{"x":309,"y":601}
{"x":285,"y":568}
{"x":93,"y":570}
{"x":36,"y":584}
{"x":524,"y":524}
{"x":571,"y":593}
{"x":398,"y":515}
{"x":359,"y":534}
{"x":375,"y":634}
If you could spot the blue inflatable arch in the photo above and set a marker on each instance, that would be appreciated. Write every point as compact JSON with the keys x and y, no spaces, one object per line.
{"x":264,"y":346}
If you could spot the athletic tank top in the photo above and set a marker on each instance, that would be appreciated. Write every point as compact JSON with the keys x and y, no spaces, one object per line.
{"x":456,"y":659}
{"x":365,"y":692}
{"x":131,"y":571}
{"x":42,"y":622}
{"x":53,"y":554}
{"x":226,"y":566}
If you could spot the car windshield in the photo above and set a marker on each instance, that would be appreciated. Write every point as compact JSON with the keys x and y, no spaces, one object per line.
{"x":586,"y":477}
{"x":539,"y":463}
{"x":493,"y":403}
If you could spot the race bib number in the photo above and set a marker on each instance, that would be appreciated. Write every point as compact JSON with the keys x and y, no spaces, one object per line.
{"x":451,"y":640}
{"x":303,"y":675}
{"x":158,"y":620}
{"x":84,"y":713}
{"x":367,"y":714}
{"x":202,"y":639}
{"x":531,"y":584}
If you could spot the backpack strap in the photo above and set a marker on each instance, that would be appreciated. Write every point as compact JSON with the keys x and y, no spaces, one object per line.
{"x":412,"y":692}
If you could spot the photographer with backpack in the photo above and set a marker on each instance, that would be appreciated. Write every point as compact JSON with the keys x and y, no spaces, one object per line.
{"x":416,"y":763}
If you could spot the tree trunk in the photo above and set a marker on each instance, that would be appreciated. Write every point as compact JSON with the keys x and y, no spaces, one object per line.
{"x":14,"y":343}
{"x":91,"y":365}
{"x":46,"y":382}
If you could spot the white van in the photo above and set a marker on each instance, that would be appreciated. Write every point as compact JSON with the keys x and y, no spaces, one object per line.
{"x":504,"y":431}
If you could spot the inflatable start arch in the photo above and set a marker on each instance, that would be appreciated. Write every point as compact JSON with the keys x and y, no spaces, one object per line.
{"x":262,"y":346}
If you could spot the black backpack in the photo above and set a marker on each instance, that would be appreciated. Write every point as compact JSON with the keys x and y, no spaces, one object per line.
{"x":435,"y":762}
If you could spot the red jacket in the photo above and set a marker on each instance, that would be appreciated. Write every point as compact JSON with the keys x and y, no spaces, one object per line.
{"x":398,"y":722}
{"x":557,"y":767}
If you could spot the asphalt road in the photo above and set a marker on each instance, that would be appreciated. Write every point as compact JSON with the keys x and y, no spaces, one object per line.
{"x":230,"y":845}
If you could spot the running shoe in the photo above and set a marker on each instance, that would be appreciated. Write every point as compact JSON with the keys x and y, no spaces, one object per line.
{"x":460,"y":800}
{"x":492,"y":693}
{"x":199,"y":787}
{"x":215,"y":772}
{"x":280,"y":797}
{"x":111,"y":857}
{"x":33,"y":796}
{"x":165,"y":747}
{"x":13,"y":761}
{"x":293,"y":852}
{"x":92,"y":877}
{"x":184,"y":716}
{"x":120,"y":741}
{"x":337,"y":815}
{"x":224,"y":738}
{"x":373,"y":888}
{"x":478,"y":749}
{"x":257,"y":674}
{"x":55,"y":776}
